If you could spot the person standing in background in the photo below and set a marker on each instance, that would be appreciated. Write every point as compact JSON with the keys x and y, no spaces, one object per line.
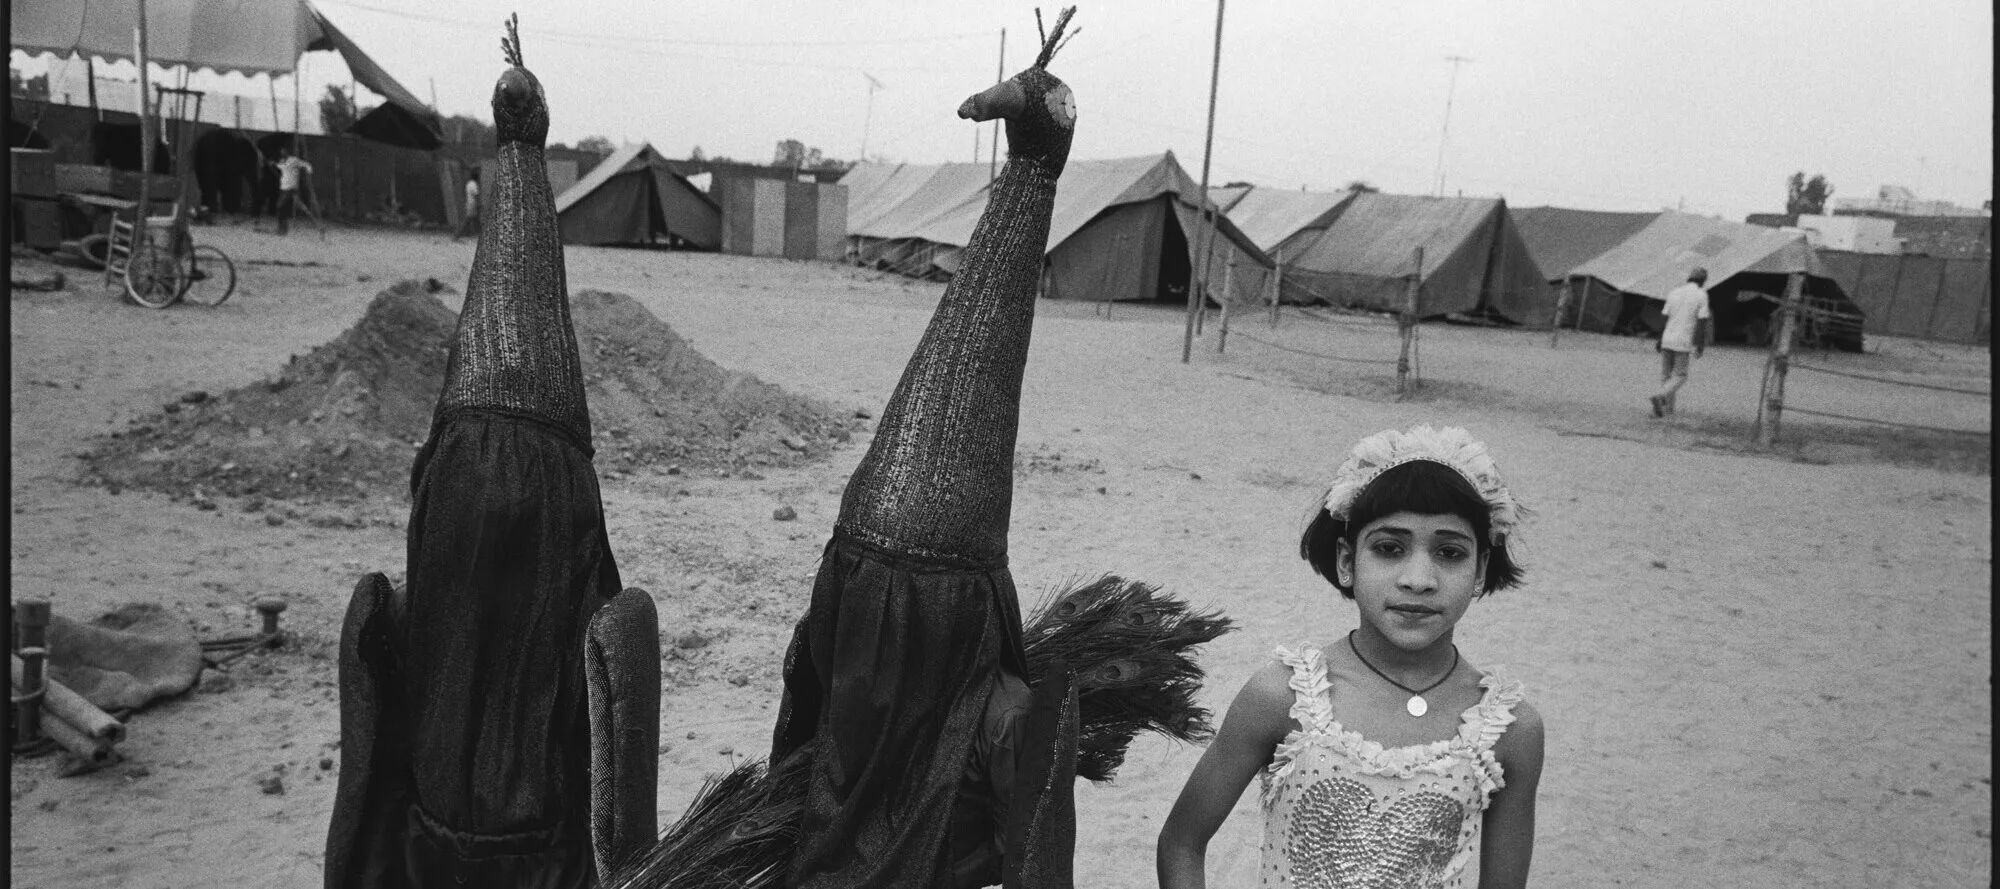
{"x":290,"y":168}
{"x":469,"y":223}
{"x":1687,"y":331}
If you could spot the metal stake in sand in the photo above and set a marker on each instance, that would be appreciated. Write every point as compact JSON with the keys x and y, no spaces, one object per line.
{"x":1781,"y":360}
{"x":31,"y":620}
{"x":270,"y":607}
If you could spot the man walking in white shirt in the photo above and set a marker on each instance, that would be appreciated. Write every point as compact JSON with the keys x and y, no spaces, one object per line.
{"x":289,"y":169}
{"x":1687,"y":331}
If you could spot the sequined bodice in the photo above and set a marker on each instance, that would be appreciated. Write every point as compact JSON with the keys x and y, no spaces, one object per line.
{"x":1342,"y":811}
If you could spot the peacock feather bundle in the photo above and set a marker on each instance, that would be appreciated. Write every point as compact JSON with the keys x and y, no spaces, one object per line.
{"x":1131,"y":649}
{"x":738,"y":833}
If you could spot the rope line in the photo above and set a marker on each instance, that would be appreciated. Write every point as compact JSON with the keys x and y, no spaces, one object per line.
{"x":1799,"y":410}
{"x":1841,"y":373}
{"x":1312,"y":354}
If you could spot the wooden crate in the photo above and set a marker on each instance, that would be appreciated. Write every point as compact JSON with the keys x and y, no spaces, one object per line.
{"x":41,"y":223}
{"x":32,"y":173}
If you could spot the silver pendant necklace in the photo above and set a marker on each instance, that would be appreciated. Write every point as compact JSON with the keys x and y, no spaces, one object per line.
{"x":1417,"y":706}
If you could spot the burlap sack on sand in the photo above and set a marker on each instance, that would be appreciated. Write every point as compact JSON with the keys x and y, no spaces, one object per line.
{"x":129,"y":658}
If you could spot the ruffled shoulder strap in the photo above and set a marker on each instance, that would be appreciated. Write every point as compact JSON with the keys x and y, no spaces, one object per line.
{"x":1311,"y":704}
{"x":1489,"y":719}
{"x":1483,"y":725}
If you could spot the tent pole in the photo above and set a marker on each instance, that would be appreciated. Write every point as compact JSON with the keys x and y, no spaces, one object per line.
{"x":145,"y":131}
{"x":1208,"y":147}
{"x":90,"y":73}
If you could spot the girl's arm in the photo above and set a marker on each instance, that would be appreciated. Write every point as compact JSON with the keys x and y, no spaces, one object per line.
{"x":1258,"y":720}
{"x":1509,"y":828}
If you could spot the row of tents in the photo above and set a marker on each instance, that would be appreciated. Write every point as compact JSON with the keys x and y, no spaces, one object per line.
{"x":1130,"y":230}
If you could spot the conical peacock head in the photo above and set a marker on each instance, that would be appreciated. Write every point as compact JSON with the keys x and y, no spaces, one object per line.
{"x":520,"y":110}
{"x":1039,"y":108}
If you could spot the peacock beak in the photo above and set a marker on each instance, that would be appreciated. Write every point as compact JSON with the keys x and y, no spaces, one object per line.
{"x":1004,"y":99}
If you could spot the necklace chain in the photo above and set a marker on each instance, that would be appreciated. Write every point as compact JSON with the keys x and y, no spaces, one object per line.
{"x":1385,"y":677}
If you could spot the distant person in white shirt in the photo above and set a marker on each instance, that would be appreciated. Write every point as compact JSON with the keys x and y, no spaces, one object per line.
{"x":470,"y":221}
{"x":1687,"y":331}
{"x":290,"y":169}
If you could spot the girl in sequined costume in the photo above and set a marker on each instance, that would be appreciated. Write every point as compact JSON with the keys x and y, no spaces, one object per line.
{"x":1385,"y":758}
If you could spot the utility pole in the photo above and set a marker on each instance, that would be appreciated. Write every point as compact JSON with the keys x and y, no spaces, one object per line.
{"x":873,"y":85}
{"x":999,"y":74}
{"x":1206,"y":235}
{"x":1445,"y":132}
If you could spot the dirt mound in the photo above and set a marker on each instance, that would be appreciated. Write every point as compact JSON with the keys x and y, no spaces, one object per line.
{"x":656,"y":401}
{"x":345,"y":420}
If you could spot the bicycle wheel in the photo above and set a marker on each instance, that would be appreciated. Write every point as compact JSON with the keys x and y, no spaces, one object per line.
{"x":207,"y":276}
{"x":152,"y":276}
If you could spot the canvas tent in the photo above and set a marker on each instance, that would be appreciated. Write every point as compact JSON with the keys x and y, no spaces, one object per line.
{"x":1122,"y":229}
{"x":1561,"y":239}
{"x":1927,"y":297}
{"x":631,"y":197}
{"x":222,"y":36}
{"x":1748,"y":266}
{"x":901,"y":216}
{"x":1474,"y":260}
{"x":1278,"y":221}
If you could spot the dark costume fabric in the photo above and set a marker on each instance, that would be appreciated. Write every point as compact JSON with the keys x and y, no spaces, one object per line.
{"x":891,"y":671}
{"x":485,"y":683}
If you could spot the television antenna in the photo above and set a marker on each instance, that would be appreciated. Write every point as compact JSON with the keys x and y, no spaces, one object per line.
{"x":873,"y":85}
{"x":1445,"y":132}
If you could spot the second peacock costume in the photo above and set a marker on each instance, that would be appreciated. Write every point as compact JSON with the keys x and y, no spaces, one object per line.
{"x":500,"y":711}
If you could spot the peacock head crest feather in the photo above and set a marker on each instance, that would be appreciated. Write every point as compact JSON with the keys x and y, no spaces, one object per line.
{"x":520,"y":110}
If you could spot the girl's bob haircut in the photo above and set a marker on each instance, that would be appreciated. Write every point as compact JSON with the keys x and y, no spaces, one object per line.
{"x":1423,"y":487}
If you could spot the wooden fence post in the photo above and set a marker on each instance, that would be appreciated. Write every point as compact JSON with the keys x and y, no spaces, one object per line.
{"x":1562,"y":305}
{"x":1781,"y":358}
{"x":1277,"y":284}
{"x":1228,"y":281}
{"x":1408,"y":323}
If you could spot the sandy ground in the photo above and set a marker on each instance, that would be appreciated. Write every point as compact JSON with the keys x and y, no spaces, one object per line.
{"x":1756,"y":669}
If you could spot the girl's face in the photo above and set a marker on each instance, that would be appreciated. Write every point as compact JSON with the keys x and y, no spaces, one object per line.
{"x":1413,"y":576}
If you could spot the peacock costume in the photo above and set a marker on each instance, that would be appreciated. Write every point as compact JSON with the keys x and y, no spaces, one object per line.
{"x":500,"y":712}
{"x":926,"y":740}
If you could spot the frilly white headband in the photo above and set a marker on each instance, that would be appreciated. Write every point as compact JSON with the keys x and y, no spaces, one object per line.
{"x":1451,"y":446}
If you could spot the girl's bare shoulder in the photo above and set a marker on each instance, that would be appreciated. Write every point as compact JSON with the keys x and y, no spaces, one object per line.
{"x":1264,"y":705}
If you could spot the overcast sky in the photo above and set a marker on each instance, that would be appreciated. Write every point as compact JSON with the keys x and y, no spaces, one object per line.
{"x":1706,"y":104}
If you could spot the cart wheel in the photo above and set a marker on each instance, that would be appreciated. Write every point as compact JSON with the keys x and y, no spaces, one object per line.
{"x":207,"y":276}
{"x":152,"y":276}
